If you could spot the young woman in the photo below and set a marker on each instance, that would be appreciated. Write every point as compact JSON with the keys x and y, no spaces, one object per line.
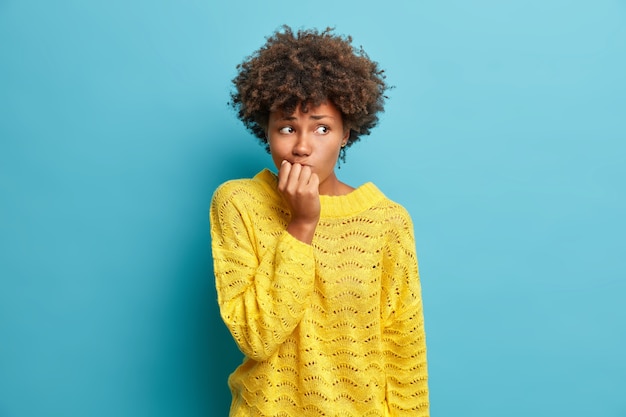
{"x":317,"y":281}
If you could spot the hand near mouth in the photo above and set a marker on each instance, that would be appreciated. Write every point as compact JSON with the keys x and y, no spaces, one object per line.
{"x":299,"y":187}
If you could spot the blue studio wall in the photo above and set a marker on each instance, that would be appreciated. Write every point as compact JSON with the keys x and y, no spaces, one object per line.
{"x":505,"y":138}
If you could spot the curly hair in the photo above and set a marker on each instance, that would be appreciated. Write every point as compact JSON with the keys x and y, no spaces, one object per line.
{"x":308,"y":68}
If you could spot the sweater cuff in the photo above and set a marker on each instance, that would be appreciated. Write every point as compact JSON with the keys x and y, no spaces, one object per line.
{"x":300,"y":258}
{"x":296,"y":248}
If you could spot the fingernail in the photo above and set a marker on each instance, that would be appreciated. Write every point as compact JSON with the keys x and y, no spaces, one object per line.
{"x":283,"y":163}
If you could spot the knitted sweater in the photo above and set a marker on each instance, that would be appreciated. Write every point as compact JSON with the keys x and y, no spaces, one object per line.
{"x":334,"y":328}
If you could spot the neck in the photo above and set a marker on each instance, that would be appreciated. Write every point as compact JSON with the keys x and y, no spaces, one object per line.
{"x":333,"y":187}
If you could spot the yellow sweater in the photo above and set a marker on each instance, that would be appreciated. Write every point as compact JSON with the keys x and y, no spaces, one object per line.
{"x":329,"y":329}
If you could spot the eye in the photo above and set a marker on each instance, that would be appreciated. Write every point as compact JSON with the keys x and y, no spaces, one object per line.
{"x":286,"y":130}
{"x":322,"y":130}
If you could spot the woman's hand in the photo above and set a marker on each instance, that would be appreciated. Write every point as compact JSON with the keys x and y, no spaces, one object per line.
{"x":299,"y":187}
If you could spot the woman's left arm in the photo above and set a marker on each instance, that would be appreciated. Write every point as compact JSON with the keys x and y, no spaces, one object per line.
{"x":404,"y":340}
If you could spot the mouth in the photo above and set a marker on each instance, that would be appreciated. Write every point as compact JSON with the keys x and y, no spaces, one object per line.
{"x":299,"y":163}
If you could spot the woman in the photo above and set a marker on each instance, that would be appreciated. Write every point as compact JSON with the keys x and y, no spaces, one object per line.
{"x":317,"y":281}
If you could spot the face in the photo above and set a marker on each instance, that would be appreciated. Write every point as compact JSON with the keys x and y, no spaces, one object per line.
{"x":312,"y":138}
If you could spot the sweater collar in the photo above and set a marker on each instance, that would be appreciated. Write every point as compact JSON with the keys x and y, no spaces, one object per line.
{"x":355,"y":202}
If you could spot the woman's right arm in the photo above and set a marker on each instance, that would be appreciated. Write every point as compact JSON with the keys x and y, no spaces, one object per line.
{"x":262,"y":296}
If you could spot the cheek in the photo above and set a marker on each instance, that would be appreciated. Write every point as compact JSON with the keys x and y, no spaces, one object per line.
{"x":275,"y":148}
{"x":277,"y":153}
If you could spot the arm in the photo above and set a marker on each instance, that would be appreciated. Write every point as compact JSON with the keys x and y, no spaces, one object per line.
{"x":403,"y":327}
{"x":300,"y":190}
{"x":262,"y":296}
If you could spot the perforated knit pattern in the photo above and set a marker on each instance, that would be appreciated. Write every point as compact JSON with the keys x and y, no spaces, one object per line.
{"x":329,"y":329}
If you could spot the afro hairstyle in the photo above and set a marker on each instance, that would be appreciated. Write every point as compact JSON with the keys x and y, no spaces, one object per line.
{"x":307,"y":68}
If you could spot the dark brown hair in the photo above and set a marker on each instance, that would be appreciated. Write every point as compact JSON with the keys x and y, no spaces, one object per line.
{"x":308,"y":68}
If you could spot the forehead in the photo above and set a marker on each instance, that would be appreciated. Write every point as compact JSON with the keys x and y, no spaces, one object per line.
{"x":325,"y":109}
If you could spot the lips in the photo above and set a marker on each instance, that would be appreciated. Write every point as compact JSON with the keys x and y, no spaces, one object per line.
{"x":304,"y":164}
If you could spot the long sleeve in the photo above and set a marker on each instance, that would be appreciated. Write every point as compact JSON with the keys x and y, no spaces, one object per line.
{"x":404,"y":342}
{"x":264,"y":276}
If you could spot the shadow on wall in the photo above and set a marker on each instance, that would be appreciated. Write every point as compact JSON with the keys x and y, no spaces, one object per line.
{"x":215,"y":354}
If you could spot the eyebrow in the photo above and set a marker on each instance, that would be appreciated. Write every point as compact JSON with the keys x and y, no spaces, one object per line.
{"x":313,"y":116}
{"x":320,"y":116}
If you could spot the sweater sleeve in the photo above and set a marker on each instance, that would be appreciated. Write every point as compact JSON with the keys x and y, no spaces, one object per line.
{"x":262,"y":296}
{"x":404,"y":341}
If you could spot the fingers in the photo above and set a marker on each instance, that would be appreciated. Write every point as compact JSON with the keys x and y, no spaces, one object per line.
{"x":299,"y":187}
{"x":294,"y":177}
{"x":283,"y":175}
{"x":314,"y":181}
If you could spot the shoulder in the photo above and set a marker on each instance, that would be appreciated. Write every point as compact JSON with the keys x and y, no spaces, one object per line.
{"x":393,"y":212}
{"x":394,"y":220}
{"x":228,"y":189}
{"x":246,"y":190}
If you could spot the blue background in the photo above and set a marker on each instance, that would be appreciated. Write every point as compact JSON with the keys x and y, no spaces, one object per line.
{"x":504,"y":138}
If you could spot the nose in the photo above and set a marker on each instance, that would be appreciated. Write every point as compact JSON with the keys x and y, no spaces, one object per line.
{"x":302,"y":146}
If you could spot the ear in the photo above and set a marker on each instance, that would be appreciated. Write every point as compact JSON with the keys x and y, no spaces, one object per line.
{"x":345,"y":138}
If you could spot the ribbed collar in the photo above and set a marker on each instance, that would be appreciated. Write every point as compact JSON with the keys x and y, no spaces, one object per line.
{"x":357,"y":201}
